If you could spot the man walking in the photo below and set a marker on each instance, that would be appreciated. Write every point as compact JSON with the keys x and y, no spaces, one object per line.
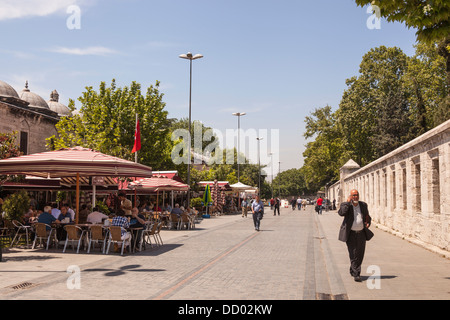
{"x":276,"y":207}
{"x":356,"y":219}
{"x":257,"y":211}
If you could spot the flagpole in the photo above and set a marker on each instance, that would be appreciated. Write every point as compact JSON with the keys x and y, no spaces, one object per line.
{"x":136,"y":153}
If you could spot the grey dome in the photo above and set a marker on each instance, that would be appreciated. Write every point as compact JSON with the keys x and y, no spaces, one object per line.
{"x":33,"y":99}
{"x":56,"y":106}
{"x":7,"y":91}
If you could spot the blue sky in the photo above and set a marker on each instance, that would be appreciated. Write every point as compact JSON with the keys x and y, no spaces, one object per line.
{"x":275,"y":60}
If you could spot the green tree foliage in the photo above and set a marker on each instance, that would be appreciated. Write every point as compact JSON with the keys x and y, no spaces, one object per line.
{"x":289,"y":183}
{"x":321,"y":154}
{"x":9,"y":149}
{"x":430,"y":18}
{"x":107,"y":123}
{"x":394,"y":99}
{"x":16,"y":205}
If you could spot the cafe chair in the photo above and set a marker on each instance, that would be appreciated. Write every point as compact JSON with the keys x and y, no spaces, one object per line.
{"x":44,"y":232}
{"x":115,"y":236}
{"x":21,"y":230}
{"x":157,"y":234}
{"x":146,"y":235}
{"x":185,"y":221}
{"x":97,"y":235}
{"x":174,"y":220}
{"x":74,"y":234}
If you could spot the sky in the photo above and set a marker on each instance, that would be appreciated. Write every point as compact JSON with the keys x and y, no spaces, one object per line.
{"x":277,"y":61}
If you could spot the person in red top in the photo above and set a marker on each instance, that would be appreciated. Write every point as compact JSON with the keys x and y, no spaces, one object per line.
{"x":319,"y":205}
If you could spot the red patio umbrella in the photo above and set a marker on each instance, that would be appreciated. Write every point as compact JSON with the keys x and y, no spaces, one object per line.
{"x":73,"y":162}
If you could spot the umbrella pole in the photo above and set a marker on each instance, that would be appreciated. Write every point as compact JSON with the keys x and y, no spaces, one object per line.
{"x":77,"y":198}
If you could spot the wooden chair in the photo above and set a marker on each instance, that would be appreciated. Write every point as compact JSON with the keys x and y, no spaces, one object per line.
{"x":74,"y":233}
{"x":115,"y":236}
{"x":45,"y":232}
{"x":97,"y":235}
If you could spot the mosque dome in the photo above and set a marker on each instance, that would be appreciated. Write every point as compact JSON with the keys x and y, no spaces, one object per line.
{"x":7,"y":91}
{"x":33,"y":99}
{"x":56,"y":106}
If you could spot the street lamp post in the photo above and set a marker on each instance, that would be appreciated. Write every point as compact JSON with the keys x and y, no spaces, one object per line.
{"x":271,"y":165}
{"x":239,"y":114}
{"x":259,"y":167}
{"x":190,"y":57}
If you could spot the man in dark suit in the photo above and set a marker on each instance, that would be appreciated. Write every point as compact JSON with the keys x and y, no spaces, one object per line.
{"x":356,"y":218}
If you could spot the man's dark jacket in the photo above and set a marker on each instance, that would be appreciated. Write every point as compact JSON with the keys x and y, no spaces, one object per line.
{"x":346,"y":211}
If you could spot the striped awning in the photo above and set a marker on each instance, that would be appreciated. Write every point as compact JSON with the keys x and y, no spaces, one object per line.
{"x":158,"y":183}
{"x":70,"y":162}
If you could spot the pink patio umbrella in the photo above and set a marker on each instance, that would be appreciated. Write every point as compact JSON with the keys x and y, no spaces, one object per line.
{"x":73,"y":162}
{"x":157,"y":183}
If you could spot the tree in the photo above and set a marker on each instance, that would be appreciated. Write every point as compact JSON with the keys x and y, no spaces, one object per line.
{"x":9,"y":149}
{"x":322,"y":156}
{"x":425,"y":81}
{"x":374,"y":110}
{"x":430,"y":18}
{"x":107,"y":123}
{"x":290,"y":183}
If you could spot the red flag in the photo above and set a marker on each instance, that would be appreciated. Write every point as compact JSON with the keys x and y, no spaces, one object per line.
{"x":137,"y":139}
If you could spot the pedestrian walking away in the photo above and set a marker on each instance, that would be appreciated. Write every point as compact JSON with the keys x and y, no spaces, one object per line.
{"x":276,"y":206}
{"x":354,"y":231}
{"x":319,"y":205}
{"x":258,"y":212}
{"x":293,"y":203}
{"x":244,"y":206}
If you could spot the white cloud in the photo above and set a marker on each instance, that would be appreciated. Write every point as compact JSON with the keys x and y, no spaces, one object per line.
{"x":13,"y":9}
{"x":93,"y":51}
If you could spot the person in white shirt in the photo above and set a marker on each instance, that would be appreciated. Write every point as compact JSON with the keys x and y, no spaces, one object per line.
{"x":96,"y":216}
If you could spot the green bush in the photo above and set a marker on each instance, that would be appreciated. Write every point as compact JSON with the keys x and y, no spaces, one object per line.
{"x":196,"y":202}
{"x":16,"y":205}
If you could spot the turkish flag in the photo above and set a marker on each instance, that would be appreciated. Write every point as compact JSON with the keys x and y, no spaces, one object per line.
{"x":137,"y":139}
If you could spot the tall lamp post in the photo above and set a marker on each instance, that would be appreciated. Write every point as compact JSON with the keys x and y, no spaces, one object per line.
{"x":271,"y":165}
{"x":189,"y":57}
{"x":239,"y":114}
{"x":259,"y":168}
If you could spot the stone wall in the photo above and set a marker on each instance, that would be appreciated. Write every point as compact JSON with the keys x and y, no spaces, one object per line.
{"x":38,"y":126}
{"x":407,"y":190}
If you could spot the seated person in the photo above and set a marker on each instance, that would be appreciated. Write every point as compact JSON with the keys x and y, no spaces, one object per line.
{"x":84,"y":212}
{"x":167,"y":207}
{"x":137,"y":220}
{"x":47,"y":218}
{"x":65,"y":213}
{"x":55,"y":211}
{"x":96,"y":216}
{"x":177,"y":210}
{"x":121,"y":221}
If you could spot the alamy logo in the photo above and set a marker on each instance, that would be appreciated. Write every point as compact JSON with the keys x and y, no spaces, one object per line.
{"x":374,"y":21}
{"x":374,"y":281}
{"x":74,"y":280}
{"x":258,"y":146}
{"x":74,"y":20}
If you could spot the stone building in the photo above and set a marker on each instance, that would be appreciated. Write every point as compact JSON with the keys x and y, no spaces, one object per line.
{"x":30,"y":115}
{"x":407,"y":190}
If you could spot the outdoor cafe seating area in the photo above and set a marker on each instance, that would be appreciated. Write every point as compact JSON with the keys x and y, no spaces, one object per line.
{"x":96,"y":237}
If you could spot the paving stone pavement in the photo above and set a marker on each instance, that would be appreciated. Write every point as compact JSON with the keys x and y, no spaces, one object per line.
{"x":295,"y":256}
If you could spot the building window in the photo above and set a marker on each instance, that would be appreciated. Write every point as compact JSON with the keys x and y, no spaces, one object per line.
{"x":24,"y":142}
{"x":436,"y":186}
